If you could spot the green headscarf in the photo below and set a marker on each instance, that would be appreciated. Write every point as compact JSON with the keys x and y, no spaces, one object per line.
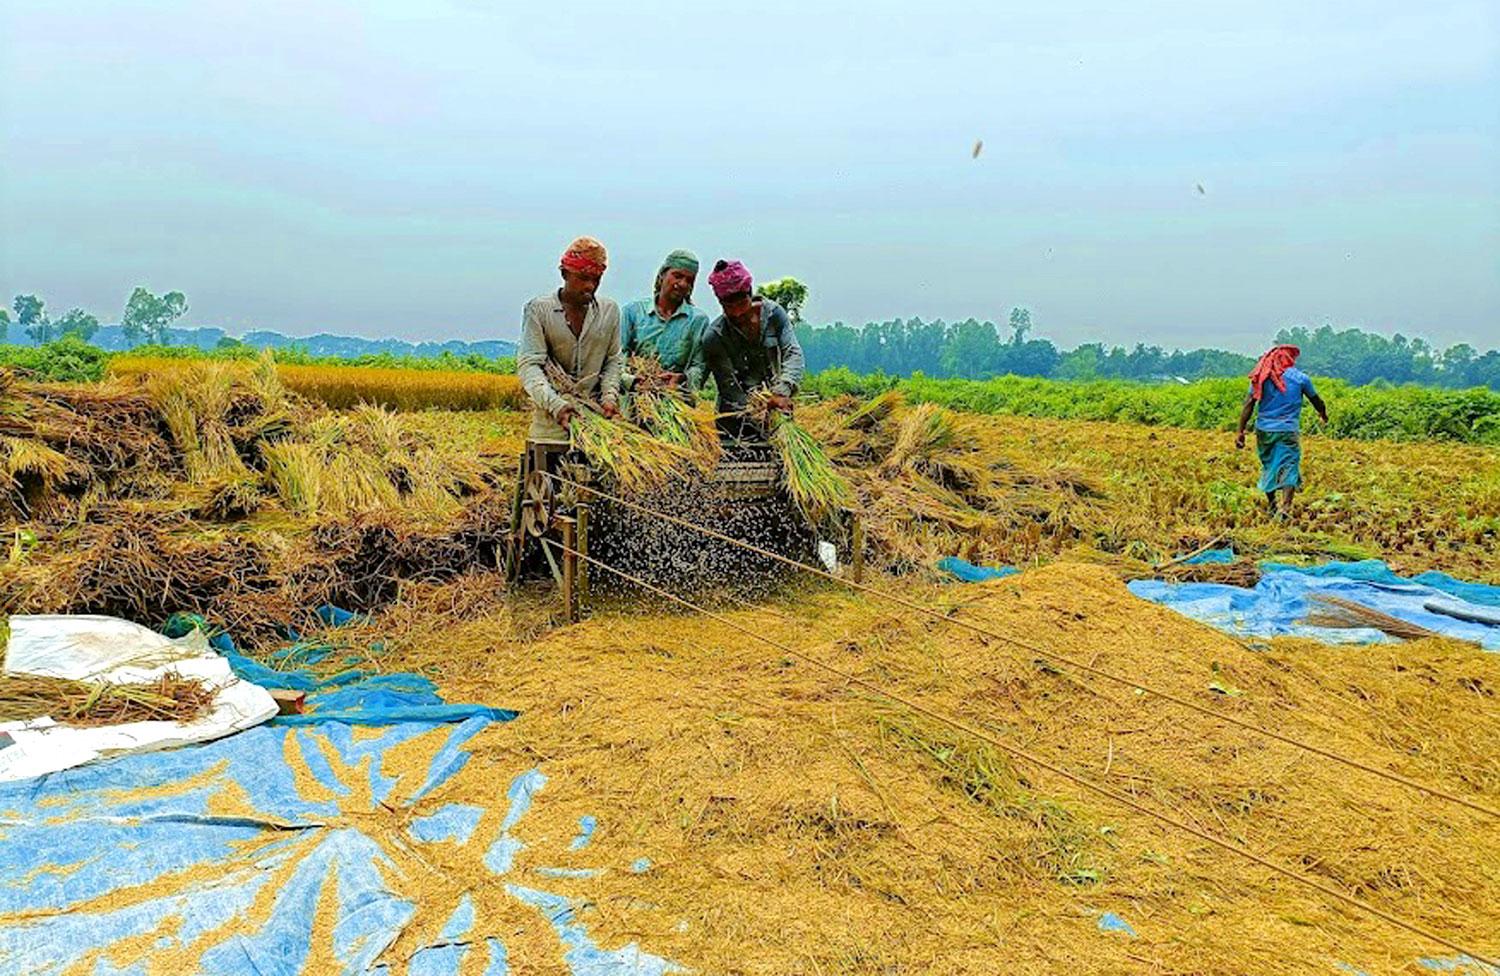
{"x":680,"y":258}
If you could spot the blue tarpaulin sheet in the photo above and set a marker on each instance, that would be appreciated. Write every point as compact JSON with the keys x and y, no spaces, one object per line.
{"x":1210,"y":556}
{"x":970,"y":573}
{"x":1285,"y":595}
{"x":284,"y":849}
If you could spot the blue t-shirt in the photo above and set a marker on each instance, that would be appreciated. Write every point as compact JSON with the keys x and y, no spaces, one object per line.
{"x":1282,"y":409}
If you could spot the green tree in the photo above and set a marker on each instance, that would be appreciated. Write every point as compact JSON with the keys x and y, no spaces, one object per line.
{"x":150,"y":317}
{"x":789,"y":293}
{"x":31,"y":316}
{"x":972,"y":349}
{"x":76,"y":322}
{"x":4,"y":324}
{"x":1020,"y":324}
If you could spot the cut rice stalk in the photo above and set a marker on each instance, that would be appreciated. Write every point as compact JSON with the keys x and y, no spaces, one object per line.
{"x":170,"y":698}
{"x":633,"y":458}
{"x":1337,"y":611}
{"x":810,"y":477}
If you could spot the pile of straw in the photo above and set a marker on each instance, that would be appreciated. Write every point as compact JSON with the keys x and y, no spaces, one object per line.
{"x":787,"y":816}
{"x":171,"y":697}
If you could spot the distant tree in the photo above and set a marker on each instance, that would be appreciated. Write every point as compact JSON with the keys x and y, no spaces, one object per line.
{"x":4,"y":325}
{"x":150,"y":317}
{"x":28,"y":310}
{"x":1081,"y":363}
{"x":1020,"y":324}
{"x":31,"y":316}
{"x":76,"y":322}
{"x":972,"y":350}
{"x":789,"y":293}
{"x":1457,"y":360}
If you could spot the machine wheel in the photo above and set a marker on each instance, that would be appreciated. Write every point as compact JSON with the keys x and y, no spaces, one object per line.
{"x":538,"y":504}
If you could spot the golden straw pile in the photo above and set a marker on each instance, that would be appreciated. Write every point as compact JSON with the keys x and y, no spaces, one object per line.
{"x":795,"y":823}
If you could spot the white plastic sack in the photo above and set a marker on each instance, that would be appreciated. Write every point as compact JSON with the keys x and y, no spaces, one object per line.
{"x":121,"y":652}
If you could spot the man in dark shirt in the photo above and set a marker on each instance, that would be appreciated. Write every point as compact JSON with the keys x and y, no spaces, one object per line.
{"x":751,"y":345}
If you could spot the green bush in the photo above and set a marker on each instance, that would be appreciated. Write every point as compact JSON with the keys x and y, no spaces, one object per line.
{"x":65,"y":360}
{"x":1377,"y":411}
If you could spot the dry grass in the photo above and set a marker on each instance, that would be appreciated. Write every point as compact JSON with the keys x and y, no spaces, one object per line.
{"x":796,"y":825}
{"x":1018,"y":491}
{"x":170,"y":698}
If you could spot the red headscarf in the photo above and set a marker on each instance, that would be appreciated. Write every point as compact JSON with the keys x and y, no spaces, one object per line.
{"x":1271,"y":366}
{"x":586,"y":256}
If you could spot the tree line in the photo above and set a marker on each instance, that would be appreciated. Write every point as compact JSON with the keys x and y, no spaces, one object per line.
{"x":971,"y":349}
{"x":974,"y":349}
{"x":145,"y":318}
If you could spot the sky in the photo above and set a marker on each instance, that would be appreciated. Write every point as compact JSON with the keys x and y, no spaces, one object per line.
{"x":415,"y":168}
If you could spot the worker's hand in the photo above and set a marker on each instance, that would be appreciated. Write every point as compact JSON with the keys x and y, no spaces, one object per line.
{"x":565,"y":415}
{"x":782,"y":403}
{"x":610,"y":410}
{"x":673,"y":380}
{"x":1323,"y":417}
{"x":1239,"y":441}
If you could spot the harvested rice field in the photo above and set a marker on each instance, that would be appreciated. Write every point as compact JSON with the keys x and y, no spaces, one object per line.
{"x":810,"y":778}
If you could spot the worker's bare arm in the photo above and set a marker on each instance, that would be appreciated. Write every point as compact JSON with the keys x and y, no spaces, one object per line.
{"x":1319,"y":406}
{"x":1246,"y":412}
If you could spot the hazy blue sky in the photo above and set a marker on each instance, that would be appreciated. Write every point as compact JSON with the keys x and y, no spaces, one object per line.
{"x":414,"y":168}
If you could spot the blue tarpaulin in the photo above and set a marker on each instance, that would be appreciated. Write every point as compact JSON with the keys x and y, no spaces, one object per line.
{"x":283,"y":849}
{"x":970,"y":573}
{"x":1285,"y":595}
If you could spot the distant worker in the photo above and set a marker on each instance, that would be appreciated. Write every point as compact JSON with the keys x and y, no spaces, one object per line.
{"x":668,"y":325}
{"x":578,"y":331}
{"x":1278,"y":386}
{"x":751,"y":345}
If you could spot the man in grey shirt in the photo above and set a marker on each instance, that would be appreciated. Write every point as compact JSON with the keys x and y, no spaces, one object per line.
{"x":751,"y":345}
{"x":579,"y":332}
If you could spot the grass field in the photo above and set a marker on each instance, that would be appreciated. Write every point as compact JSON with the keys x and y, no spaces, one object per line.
{"x":793,"y":820}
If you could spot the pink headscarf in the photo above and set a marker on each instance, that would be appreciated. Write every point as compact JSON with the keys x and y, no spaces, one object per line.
{"x":729,"y":278}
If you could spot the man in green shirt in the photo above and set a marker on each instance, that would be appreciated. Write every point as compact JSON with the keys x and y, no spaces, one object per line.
{"x":668,"y":325}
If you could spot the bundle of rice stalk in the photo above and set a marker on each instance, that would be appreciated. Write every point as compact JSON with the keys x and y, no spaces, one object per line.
{"x":635,"y":460}
{"x":810,"y":477}
{"x":924,"y":432}
{"x":664,"y":412}
{"x":873,"y":411}
{"x":226,"y":498}
{"x":295,"y":471}
{"x":195,"y":404}
{"x":172,"y":697}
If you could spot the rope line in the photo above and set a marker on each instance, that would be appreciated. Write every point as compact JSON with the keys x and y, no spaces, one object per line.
{"x":1026,"y":756}
{"x":1178,"y":700}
